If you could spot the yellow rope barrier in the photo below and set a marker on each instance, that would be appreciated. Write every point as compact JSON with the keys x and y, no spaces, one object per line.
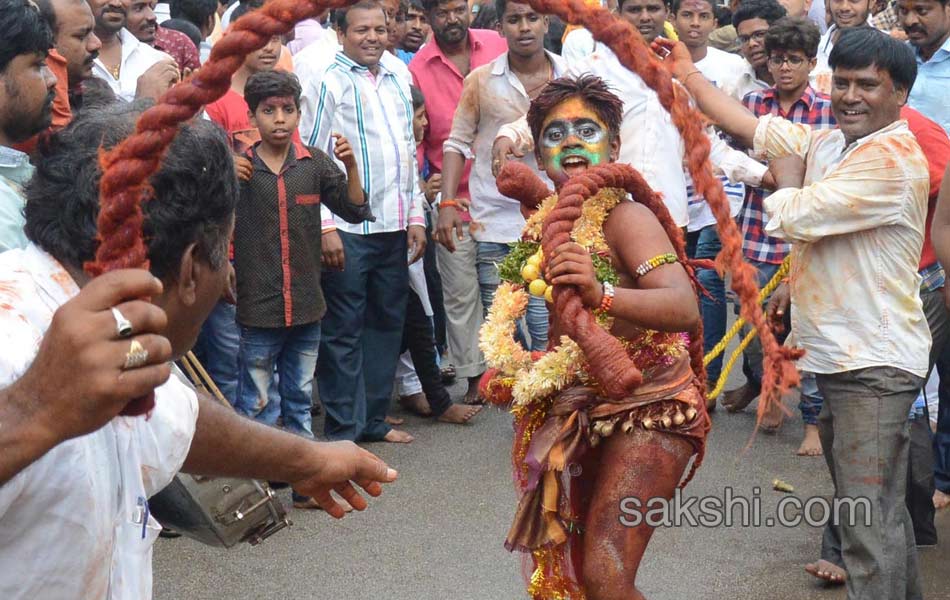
{"x":734,"y":330}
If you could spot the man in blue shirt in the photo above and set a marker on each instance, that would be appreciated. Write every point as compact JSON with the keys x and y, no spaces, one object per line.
{"x":927,"y":24}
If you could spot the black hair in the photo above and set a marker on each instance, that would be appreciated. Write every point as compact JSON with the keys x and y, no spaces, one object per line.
{"x":793,"y":33}
{"x":186,"y":27}
{"x":768,"y":10}
{"x":25,"y":31}
{"x":195,"y":191}
{"x":49,"y":13}
{"x":861,"y":47}
{"x":245,"y":7}
{"x":723,"y":15}
{"x":418,"y":99}
{"x":339,"y":15}
{"x":271,"y":84}
{"x":620,"y":4}
{"x":416,"y":4}
{"x":675,"y":6}
{"x":430,"y":5}
{"x":591,"y":89}
{"x":486,"y":18}
{"x":196,"y":11}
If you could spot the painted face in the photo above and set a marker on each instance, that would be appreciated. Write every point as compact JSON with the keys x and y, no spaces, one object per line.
{"x":926,"y":22}
{"x":276,"y":118}
{"x":573,"y":138}
{"x":694,"y":21}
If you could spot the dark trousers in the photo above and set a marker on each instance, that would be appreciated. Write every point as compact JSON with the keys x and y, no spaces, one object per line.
{"x":434,"y":286}
{"x":418,"y":339}
{"x":865,"y":436}
{"x":939,"y":320}
{"x":705,"y":243}
{"x":362,"y":333}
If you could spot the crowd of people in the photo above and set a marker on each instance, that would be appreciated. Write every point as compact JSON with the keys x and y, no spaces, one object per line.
{"x":330,"y":235}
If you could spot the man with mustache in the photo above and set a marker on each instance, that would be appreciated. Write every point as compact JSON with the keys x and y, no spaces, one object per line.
{"x":367,"y":293}
{"x":132,"y":69}
{"x":438,"y":70}
{"x":494,"y":95}
{"x":648,"y":16}
{"x":853,"y":202}
{"x":26,"y":100}
{"x":927,"y":24}
{"x":143,"y":24}
{"x":417,"y":29}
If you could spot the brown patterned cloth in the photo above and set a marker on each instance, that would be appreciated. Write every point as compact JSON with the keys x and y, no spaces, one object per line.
{"x":179,"y":46}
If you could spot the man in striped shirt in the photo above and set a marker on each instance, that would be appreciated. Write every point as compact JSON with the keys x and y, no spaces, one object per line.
{"x":362,"y":96}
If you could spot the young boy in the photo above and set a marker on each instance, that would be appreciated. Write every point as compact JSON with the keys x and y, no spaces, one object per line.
{"x":420,"y":387}
{"x":277,"y":253}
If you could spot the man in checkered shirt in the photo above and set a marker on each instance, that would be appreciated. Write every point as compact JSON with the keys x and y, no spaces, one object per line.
{"x":792,"y":46}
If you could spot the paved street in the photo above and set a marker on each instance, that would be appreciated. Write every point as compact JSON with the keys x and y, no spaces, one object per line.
{"x":437,"y":533}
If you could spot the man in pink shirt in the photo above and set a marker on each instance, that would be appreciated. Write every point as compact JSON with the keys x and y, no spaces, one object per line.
{"x":438,"y":70}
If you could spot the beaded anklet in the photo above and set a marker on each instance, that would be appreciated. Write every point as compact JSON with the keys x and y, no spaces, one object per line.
{"x":652,"y":263}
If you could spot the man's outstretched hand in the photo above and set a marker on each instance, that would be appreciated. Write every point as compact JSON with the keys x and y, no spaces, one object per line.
{"x":341,"y":467}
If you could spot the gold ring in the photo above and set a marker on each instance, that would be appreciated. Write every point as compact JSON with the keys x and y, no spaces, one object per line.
{"x":136,"y":356}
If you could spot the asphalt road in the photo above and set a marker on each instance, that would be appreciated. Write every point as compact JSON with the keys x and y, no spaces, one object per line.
{"x":436,"y":534}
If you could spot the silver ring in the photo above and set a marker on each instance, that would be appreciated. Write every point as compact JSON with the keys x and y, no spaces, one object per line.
{"x":123,"y":327}
{"x":136,"y":356}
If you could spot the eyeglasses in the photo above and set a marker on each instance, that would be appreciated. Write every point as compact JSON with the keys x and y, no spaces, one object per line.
{"x":758,"y":36}
{"x":793,"y":61}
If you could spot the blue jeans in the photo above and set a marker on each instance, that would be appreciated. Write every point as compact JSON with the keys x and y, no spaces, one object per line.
{"x":488,"y":256}
{"x":362,"y":334}
{"x":217,"y":349}
{"x":811,"y":399}
{"x":705,"y":244}
{"x":293,"y":352}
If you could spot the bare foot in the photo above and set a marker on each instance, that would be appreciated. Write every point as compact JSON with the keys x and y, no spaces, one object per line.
{"x":311,"y":504}
{"x":827,"y":571}
{"x":396,"y":436}
{"x":941,"y":500}
{"x":811,"y":444}
{"x":737,"y":399}
{"x":459,"y":414}
{"x":417,"y":404}
{"x":471,"y":395}
{"x":394,"y":420}
{"x":772,"y":420}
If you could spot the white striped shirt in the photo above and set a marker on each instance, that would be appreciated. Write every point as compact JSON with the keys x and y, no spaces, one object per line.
{"x":374,"y":112}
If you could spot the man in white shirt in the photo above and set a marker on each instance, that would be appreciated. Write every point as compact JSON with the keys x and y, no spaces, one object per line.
{"x":853,"y":201}
{"x":74,"y":477}
{"x":845,"y":14}
{"x":493,"y":95}
{"x":752,"y":20}
{"x":132,"y":69}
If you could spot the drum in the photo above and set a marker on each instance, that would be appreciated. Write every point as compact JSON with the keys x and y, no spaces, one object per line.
{"x":219,"y":511}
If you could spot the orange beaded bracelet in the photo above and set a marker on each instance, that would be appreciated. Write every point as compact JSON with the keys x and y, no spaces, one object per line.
{"x":452,"y":203}
{"x":608,"y":299}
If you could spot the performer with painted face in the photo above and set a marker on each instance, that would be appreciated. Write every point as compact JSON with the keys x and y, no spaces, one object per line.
{"x":615,"y":408}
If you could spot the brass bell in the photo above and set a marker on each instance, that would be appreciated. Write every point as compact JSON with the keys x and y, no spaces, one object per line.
{"x":627,"y":426}
{"x":648,"y":423}
{"x":594,"y":440}
{"x":608,"y":429}
{"x":691,"y":413}
{"x":679,"y":418}
{"x":666,"y":421}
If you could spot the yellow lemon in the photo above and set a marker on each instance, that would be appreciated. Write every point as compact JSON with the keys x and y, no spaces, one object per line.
{"x":530,"y":272}
{"x":535,"y":260}
{"x":537,"y":287}
{"x":549,"y":294}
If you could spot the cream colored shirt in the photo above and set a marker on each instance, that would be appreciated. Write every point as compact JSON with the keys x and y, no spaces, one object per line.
{"x":857,"y":228}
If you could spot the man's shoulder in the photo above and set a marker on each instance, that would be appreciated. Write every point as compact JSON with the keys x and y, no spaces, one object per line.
{"x":489,"y":38}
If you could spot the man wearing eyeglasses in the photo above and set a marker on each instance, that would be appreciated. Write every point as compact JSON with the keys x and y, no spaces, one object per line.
{"x":751,"y":20}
